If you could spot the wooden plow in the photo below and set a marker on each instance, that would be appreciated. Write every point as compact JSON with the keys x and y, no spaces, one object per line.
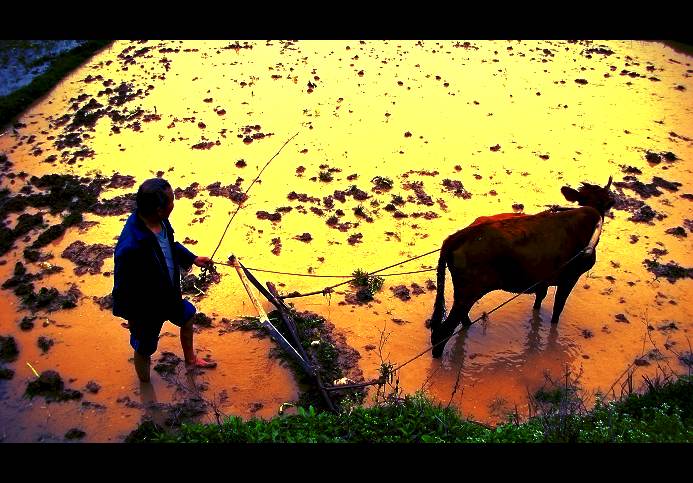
{"x":296,"y":351}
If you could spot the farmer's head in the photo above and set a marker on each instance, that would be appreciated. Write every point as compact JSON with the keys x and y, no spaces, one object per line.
{"x":155,"y":198}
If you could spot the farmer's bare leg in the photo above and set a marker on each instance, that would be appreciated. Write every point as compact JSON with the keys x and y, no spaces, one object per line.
{"x":186,"y":342}
{"x":142,"y":364}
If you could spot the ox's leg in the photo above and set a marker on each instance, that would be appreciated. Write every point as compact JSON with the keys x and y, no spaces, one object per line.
{"x":541,"y":293}
{"x":562,"y":292}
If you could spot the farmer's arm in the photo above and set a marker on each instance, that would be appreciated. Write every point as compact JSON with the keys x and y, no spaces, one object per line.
{"x":187,"y":258}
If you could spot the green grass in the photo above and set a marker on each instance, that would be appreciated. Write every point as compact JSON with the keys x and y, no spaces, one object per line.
{"x":15,"y":103}
{"x":663,"y":414}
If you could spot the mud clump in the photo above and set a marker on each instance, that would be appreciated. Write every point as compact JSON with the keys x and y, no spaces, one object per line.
{"x":185,"y":411}
{"x":120,"y":205}
{"x":202,"y":320}
{"x":51,"y":386}
{"x":305,"y":237}
{"x":6,"y":374}
{"x":27,"y":323}
{"x":678,"y":231}
{"x":641,"y":212}
{"x":273,"y":217}
{"x":92,"y":387}
{"x":672,"y":271}
{"x":88,"y":258}
{"x":232,"y":191}
{"x":277,"y":246}
{"x":168,"y":362}
{"x":421,"y":197}
{"x":105,"y":302}
{"x":401,"y":292}
{"x":190,"y":192}
{"x":8,"y":349}
{"x":457,"y":188}
{"x":45,"y":343}
{"x":75,"y":433}
{"x":355,"y":238}
{"x":120,"y":181}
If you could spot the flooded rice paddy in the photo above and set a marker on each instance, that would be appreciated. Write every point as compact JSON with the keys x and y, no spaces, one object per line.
{"x":462,"y":129}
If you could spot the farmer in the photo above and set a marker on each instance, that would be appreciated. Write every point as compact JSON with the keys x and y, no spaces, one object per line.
{"x":146,"y":290}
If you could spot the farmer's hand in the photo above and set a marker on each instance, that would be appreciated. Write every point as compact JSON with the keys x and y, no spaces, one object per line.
{"x":202,"y":261}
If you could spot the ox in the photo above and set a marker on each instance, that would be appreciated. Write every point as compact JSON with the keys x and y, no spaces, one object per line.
{"x":512,"y":252}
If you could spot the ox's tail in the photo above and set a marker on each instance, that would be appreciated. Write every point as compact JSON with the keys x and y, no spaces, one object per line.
{"x":439,"y":306}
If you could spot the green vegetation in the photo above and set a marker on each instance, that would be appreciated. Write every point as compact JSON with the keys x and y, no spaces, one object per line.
{"x":362,"y":279}
{"x":663,"y":414}
{"x":16,"y":102}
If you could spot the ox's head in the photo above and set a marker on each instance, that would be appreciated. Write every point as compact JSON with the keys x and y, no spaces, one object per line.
{"x":592,"y":195}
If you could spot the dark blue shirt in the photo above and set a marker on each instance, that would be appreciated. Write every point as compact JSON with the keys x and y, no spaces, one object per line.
{"x":142,"y":286}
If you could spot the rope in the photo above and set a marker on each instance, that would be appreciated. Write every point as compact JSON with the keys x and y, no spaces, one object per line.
{"x":323,"y":276}
{"x":246,"y":192}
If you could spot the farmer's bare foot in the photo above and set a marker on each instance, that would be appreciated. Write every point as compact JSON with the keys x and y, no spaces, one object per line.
{"x":201,"y":364}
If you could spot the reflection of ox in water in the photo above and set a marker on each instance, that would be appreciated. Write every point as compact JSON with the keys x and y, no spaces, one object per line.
{"x":513,"y":252}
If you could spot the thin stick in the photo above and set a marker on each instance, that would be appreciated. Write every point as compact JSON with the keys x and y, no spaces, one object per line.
{"x":246,"y":192}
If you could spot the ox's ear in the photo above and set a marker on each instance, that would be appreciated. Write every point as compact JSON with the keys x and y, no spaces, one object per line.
{"x":570,"y":194}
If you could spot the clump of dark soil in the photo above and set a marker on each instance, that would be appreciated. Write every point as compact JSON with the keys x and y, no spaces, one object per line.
{"x":401,"y":292}
{"x":302,"y":197}
{"x":8,"y":349}
{"x":88,"y":258}
{"x":144,"y":432}
{"x":457,"y":188}
{"x":184,"y":411}
{"x":93,"y":387}
{"x":277,"y":246}
{"x":27,"y":323}
{"x":647,"y":190}
{"x":672,"y":271}
{"x":355,"y":238}
{"x":51,"y":386}
{"x":273,"y":217}
{"x":120,"y":205}
{"x":75,"y":433}
{"x":641,"y":212}
{"x":190,"y":192}
{"x":656,"y":158}
{"x":357,"y":193}
{"x":202,"y":320}
{"x":45,"y":343}
{"x":381,"y":184}
{"x":168,"y":362}
{"x":421,"y":197}
{"x":232,"y":191}
{"x":49,"y":299}
{"x":105,"y":302}
{"x":6,"y":373}
{"x":678,"y":231}
{"x":305,"y":237}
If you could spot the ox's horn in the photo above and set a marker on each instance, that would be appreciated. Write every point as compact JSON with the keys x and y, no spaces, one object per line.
{"x":609,"y":183}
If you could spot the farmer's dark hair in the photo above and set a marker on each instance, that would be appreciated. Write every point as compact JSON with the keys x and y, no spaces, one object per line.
{"x":152,"y":195}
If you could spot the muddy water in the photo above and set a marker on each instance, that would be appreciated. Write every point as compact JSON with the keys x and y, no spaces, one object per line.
{"x":412,"y":112}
